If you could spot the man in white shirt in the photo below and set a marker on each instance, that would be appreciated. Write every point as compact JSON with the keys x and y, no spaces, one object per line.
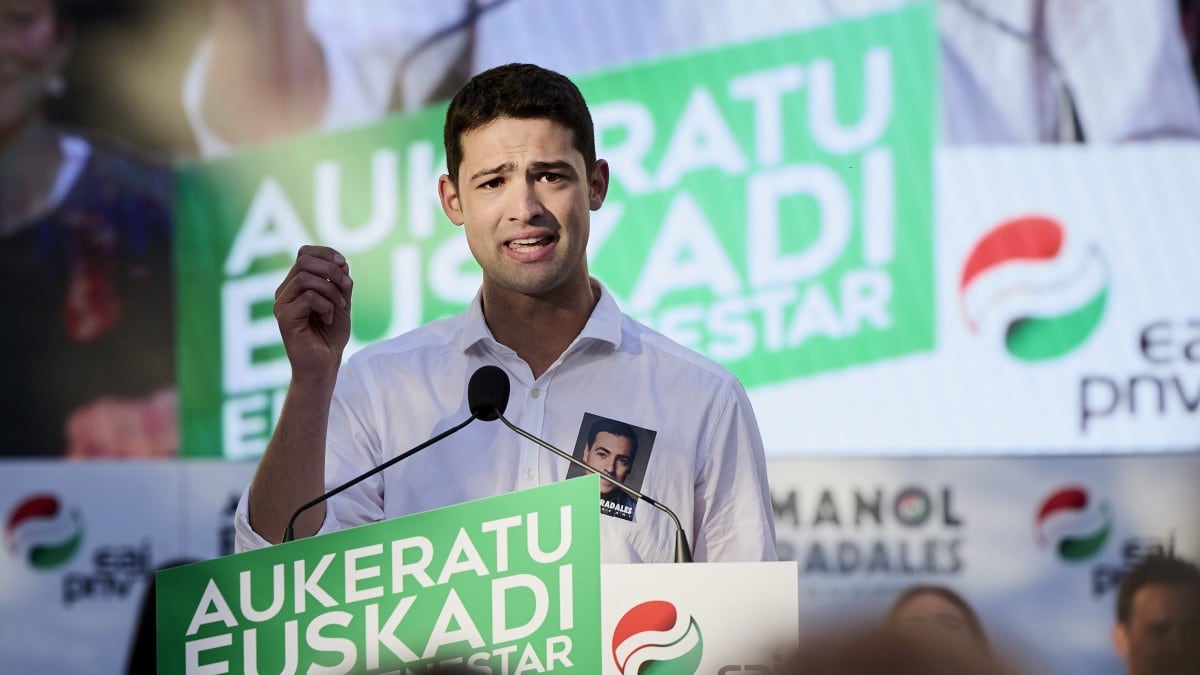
{"x":522,"y":180}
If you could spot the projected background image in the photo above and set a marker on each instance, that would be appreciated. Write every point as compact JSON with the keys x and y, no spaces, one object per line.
{"x":947,"y":246}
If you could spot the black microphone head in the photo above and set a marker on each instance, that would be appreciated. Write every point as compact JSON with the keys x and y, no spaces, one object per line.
{"x":487,"y":393}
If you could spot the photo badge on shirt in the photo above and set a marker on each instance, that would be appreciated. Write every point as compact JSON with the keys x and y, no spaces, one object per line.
{"x":617,"y":449}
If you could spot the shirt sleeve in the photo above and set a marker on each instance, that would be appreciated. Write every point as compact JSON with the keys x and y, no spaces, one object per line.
{"x":733,"y":516}
{"x":352,"y":447}
{"x":246,"y":538}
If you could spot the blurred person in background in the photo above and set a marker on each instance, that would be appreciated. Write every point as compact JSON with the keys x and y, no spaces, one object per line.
{"x":272,"y":68}
{"x":88,"y":345}
{"x":1032,"y":71}
{"x":1012,"y":71}
{"x":938,"y":614}
{"x":1158,"y":617}
{"x":884,"y":651}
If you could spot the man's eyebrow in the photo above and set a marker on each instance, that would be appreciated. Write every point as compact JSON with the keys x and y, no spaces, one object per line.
{"x":561,"y":165}
{"x":558,"y":165}
{"x":507,"y":166}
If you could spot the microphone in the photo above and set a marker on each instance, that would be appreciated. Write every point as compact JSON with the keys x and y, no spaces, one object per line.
{"x":487,"y":394}
{"x":489,"y":398}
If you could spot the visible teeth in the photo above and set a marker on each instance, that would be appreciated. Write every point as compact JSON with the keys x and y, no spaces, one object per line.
{"x":529,"y":244}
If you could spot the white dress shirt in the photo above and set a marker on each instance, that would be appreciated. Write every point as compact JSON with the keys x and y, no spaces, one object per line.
{"x":706,"y":461}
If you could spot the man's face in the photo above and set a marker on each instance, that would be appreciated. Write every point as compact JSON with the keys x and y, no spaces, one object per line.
{"x":32,"y":49}
{"x":933,"y":618}
{"x":524,"y":196}
{"x":1162,"y":636}
{"x":611,"y":455}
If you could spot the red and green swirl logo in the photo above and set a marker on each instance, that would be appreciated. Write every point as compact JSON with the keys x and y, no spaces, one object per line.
{"x":1046,"y":297}
{"x":652,"y":639}
{"x":1069,"y":520}
{"x":42,"y":532}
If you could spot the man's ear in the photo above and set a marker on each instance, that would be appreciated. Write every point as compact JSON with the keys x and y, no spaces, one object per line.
{"x":598,"y":185}
{"x":451,"y":203}
{"x":1120,"y":640}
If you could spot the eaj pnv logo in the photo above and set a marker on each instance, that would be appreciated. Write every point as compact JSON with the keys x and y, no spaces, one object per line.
{"x":1070,"y":521}
{"x":652,"y":639}
{"x":42,"y":532}
{"x":1048,"y":297}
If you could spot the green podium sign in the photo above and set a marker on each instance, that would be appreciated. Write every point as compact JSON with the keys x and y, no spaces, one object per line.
{"x":510,"y":583}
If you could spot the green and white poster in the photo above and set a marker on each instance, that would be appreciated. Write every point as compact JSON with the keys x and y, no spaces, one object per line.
{"x":771,"y":207}
{"x":510,"y":583}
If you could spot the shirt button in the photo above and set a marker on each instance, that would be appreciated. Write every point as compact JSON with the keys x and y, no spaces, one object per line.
{"x":534,"y":393}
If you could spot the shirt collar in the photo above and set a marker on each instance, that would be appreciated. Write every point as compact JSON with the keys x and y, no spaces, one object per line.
{"x":604,"y":324}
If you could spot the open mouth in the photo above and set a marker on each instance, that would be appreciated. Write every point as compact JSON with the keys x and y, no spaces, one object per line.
{"x":527,"y":244}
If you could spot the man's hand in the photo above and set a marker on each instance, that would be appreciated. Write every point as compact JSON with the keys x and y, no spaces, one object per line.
{"x":312,"y":306}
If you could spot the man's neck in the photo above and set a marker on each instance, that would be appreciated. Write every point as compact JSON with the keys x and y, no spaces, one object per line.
{"x":539,"y":328}
{"x":30,"y":158}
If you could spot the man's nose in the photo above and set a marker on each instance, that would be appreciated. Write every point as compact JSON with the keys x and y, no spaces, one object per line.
{"x":527,"y":203}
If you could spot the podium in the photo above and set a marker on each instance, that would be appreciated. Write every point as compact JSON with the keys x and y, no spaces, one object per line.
{"x":511,"y":583}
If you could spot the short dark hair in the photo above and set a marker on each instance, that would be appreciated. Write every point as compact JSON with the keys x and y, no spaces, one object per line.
{"x":945,"y":593}
{"x":521,"y":91}
{"x":1155,"y":569}
{"x":616,"y":428}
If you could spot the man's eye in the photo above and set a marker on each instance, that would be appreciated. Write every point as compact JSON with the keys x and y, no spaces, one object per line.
{"x":551,"y":177}
{"x":493,"y":183}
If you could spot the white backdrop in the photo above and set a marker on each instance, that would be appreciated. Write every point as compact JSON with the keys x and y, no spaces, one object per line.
{"x":1134,"y":205}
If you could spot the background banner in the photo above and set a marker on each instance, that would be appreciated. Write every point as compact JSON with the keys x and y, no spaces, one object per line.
{"x":1043,"y":580}
{"x":771,"y":207}
{"x":73,"y":579}
{"x":1066,"y":317}
{"x":963,"y":269}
